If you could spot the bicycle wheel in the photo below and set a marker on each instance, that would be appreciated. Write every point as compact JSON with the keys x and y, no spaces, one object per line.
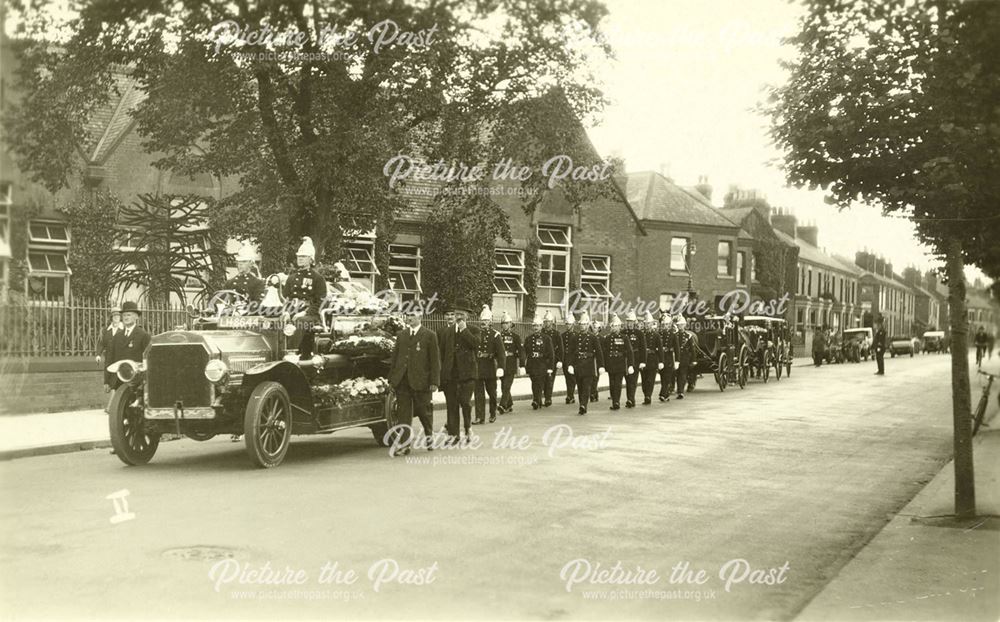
{"x":977,"y":419}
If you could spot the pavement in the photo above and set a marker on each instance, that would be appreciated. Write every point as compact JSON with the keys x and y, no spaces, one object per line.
{"x":852,"y":489}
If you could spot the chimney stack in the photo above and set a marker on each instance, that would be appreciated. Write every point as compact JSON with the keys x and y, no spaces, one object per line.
{"x":808,"y":233}
{"x":704,"y":187}
{"x":665,"y":170}
{"x":784,"y":222}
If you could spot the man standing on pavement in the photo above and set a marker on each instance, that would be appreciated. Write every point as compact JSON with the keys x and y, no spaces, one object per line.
{"x":637,"y":340}
{"x":458,"y":369}
{"x":490,"y":357}
{"x":514,"y":359}
{"x":685,"y":354}
{"x":105,"y":353}
{"x":586,"y":363}
{"x":819,"y":346}
{"x":569,"y":337}
{"x":654,"y":358}
{"x":557,"y":346}
{"x":415,"y":374}
{"x":878,"y":343}
{"x":131,"y":341}
{"x":619,"y":360}
{"x":668,"y":343}
{"x":540,"y":363}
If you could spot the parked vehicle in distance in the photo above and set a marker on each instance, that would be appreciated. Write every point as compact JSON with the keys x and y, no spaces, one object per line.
{"x":904,"y":345}
{"x":858,"y":343}
{"x":934,"y":341}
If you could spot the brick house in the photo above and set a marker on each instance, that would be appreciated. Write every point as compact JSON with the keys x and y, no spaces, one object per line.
{"x":926,"y":309}
{"x":687,"y":243}
{"x":885,"y":293}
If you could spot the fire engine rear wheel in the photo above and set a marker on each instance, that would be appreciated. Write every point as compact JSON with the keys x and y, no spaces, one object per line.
{"x":380,"y":429}
{"x":267,"y":425}
{"x":132,"y":443}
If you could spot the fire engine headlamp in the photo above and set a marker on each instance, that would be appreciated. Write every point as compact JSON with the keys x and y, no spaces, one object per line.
{"x":216,"y":370}
{"x":126,"y":370}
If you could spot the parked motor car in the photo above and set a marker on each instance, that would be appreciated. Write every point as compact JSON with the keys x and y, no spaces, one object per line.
{"x":934,"y":341}
{"x":904,"y":344}
{"x":858,"y":343}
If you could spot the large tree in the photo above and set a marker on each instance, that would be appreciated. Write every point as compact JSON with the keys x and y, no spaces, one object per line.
{"x":307,"y":135}
{"x":893,"y":104}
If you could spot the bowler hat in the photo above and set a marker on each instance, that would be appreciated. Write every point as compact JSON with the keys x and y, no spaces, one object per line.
{"x":131,"y":306}
{"x":461,"y":304}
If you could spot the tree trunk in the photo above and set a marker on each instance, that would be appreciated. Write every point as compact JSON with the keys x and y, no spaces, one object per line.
{"x":961,"y":401}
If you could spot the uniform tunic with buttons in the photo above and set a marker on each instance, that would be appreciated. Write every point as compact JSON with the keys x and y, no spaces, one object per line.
{"x":307,"y":286}
{"x":248,"y":285}
{"x":618,"y":355}
{"x":540,"y":357}
{"x":514,"y":350}
{"x":490,"y":354}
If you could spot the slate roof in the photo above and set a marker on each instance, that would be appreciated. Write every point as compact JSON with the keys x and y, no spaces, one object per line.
{"x":655,"y":198}
{"x":112,"y":121}
{"x":812,"y":254}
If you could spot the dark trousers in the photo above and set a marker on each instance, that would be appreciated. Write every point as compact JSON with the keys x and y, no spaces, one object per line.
{"x":538,"y":387}
{"x":649,"y":380}
{"x":667,"y":379}
{"x":682,"y":378}
{"x":570,"y":384}
{"x":484,"y":387}
{"x":411,"y":404}
{"x":549,"y":381}
{"x":615,"y":386}
{"x":458,"y":397}
{"x":585,"y":382}
{"x":817,"y":358}
{"x":594,"y":381}
{"x":631,"y":380}
{"x":506,"y":400}
{"x":880,"y":360}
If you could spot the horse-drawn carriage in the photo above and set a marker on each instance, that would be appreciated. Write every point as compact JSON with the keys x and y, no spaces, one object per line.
{"x":232,"y":373}
{"x":720,"y":350}
{"x":762,"y":335}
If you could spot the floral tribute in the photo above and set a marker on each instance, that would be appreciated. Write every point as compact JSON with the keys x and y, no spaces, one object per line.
{"x":361,"y":345}
{"x":349,"y":392}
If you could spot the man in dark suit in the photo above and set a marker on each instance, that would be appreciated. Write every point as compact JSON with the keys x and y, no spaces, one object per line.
{"x":449,"y":326}
{"x":105,"y":352}
{"x":458,"y":369}
{"x":540,"y":362}
{"x":586,"y":362}
{"x":131,"y":341}
{"x":557,"y":346}
{"x":415,"y":374}
{"x":879,"y":344}
{"x":620,"y":361}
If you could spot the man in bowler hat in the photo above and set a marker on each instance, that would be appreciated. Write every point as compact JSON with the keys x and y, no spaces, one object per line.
{"x":458,"y":369}
{"x":131,"y":341}
{"x":415,"y":373}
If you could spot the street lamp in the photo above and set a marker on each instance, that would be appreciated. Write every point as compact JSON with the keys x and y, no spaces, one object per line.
{"x":689,"y":250}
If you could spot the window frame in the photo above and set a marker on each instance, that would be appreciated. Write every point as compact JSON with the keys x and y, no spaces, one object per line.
{"x":596,"y":277}
{"x":367,"y":245}
{"x":685,"y":258}
{"x":728,"y":274}
{"x":400,"y":271}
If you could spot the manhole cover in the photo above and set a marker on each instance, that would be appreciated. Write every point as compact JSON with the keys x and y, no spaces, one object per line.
{"x":202,"y":553}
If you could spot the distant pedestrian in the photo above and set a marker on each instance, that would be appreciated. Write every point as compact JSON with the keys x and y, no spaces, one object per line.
{"x":879,"y":345}
{"x":105,"y":352}
{"x":819,"y":346}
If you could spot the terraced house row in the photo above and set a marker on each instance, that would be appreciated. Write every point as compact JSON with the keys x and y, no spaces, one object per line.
{"x":653,"y":240}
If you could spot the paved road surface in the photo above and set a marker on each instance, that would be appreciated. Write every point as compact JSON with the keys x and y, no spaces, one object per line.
{"x":799,"y":473}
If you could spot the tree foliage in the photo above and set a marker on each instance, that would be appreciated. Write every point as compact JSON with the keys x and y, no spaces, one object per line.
{"x":306,"y":135}
{"x":91,"y":217}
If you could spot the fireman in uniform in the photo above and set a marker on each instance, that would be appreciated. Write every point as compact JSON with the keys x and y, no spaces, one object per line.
{"x":557,"y":347}
{"x":514,"y":350}
{"x":586,"y":363}
{"x":246,"y":283}
{"x":668,"y":342}
{"x":685,"y":354}
{"x":619,"y":360}
{"x":540,"y":361}
{"x":569,"y":338}
{"x":595,"y":329}
{"x":489,"y":359}
{"x":638,"y":342}
{"x":306,"y":289}
{"x":654,"y":358}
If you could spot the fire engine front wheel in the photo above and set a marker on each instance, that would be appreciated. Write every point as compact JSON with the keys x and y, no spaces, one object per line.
{"x":267,"y":425}
{"x":132,"y":443}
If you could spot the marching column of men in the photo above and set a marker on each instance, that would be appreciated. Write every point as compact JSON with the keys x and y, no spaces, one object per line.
{"x":472,"y":360}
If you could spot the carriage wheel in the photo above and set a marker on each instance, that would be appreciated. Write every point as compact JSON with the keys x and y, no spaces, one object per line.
{"x":777,"y":368}
{"x":766,"y":367}
{"x":744,"y":367}
{"x":720,"y":372}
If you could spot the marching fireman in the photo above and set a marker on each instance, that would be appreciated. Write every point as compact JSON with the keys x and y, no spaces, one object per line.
{"x":569,"y":338}
{"x":557,"y":347}
{"x":246,"y":283}
{"x":540,"y":361}
{"x":586,"y":363}
{"x":654,"y":358}
{"x":618,"y":358}
{"x":668,"y":341}
{"x":685,"y":355}
{"x":638,"y":342}
{"x":306,"y":289}
{"x":595,"y":329}
{"x":514,"y":350}
{"x":490,"y":359}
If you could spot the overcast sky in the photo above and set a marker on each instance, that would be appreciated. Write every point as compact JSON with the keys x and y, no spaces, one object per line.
{"x":687,"y":77}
